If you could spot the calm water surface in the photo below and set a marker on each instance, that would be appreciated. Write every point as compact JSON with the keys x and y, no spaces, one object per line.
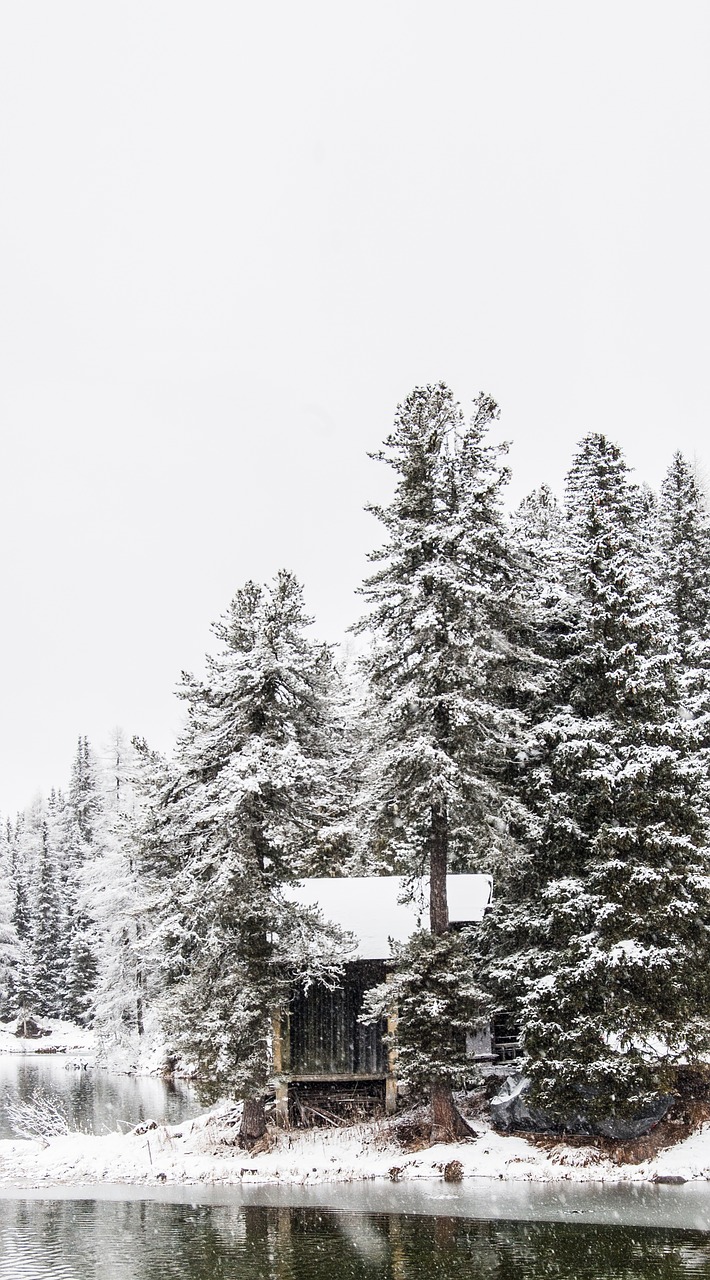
{"x":93,"y":1101}
{"x":144,"y":1240}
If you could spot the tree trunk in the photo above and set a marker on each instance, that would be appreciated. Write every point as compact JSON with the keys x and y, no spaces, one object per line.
{"x":438,"y":861}
{"x":140,"y":931}
{"x":447,"y":1124}
{"x":253,"y":1126}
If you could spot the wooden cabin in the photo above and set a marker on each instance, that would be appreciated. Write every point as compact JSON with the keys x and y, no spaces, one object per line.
{"x":321,"y":1050}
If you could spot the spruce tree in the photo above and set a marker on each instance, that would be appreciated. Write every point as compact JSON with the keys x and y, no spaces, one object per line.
{"x":243,"y":812}
{"x":9,"y":941}
{"x":684,"y":574}
{"x":83,"y":796}
{"x":603,"y":938}
{"x":539,"y":540}
{"x":443,"y":669}
{"x":47,"y":931}
{"x":81,"y":842}
{"x":128,"y":981}
{"x":22,"y":991}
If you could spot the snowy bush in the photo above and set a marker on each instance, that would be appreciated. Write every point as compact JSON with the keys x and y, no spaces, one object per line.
{"x":38,"y":1117}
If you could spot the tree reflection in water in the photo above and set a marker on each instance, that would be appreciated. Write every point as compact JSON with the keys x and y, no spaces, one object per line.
{"x":146,"y":1240}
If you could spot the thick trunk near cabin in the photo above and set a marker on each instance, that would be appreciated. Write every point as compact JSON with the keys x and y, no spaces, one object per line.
{"x":448,"y":1125}
{"x":438,"y":865}
{"x":255,"y":950}
{"x":253,"y":1126}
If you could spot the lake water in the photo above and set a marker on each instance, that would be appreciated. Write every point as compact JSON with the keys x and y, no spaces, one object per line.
{"x":408,"y":1231}
{"x":148,"y":1240}
{"x":93,"y":1101}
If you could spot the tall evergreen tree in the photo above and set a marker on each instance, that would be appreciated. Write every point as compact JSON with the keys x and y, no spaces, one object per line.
{"x":539,"y":538}
{"x":128,"y":981}
{"x":443,"y":669}
{"x":603,"y":916}
{"x":47,"y":931}
{"x":22,"y":992}
{"x":684,"y":526}
{"x":243,"y":813}
{"x":83,"y":795}
{"x":82,"y":834}
{"x":9,"y":941}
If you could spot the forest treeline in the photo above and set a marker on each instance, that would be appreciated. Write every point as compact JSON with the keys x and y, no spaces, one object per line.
{"x":531,"y":700}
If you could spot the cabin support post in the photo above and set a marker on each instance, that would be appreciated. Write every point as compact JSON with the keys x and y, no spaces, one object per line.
{"x":282,"y":1119}
{"x":281,"y":1043}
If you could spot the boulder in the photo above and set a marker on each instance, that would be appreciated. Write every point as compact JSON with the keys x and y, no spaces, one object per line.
{"x":511,"y":1109}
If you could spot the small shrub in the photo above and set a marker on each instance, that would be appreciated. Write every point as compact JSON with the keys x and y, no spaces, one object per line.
{"x":38,"y":1117}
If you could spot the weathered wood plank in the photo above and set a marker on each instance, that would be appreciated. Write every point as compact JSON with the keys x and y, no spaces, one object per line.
{"x":326,"y":1038}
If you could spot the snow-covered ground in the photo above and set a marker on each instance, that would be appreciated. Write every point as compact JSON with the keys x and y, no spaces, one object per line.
{"x":65,"y":1037}
{"x":201,"y":1153}
{"x":83,"y":1045}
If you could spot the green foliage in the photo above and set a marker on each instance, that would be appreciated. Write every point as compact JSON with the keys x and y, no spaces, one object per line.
{"x":245,"y":808}
{"x":684,"y":579}
{"x":445,"y":671}
{"x":434,"y":1001}
{"x":444,"y":664}
{"x":599,"y":940}
{"x":537,"y":705}
{"x":46,"y":934}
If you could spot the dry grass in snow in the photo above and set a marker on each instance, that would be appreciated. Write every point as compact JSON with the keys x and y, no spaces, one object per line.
{"x":205,"y":1151}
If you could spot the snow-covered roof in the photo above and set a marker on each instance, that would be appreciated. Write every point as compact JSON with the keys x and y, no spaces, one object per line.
{"x":370,"y":907}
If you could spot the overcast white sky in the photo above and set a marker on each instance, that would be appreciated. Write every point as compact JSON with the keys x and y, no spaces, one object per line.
{"x":235,"y":235}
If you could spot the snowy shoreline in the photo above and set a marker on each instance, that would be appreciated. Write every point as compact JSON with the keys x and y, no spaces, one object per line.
{"x":79,"y":1047}
{"x":63,"y":1038}
{"x":199,"y":1153}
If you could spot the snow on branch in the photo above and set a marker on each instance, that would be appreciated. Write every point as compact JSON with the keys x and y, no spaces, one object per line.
{"x":39,"y":1117}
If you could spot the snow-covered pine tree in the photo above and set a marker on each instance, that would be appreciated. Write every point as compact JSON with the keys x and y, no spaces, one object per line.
{"x":443,"y":671}
{"x":83,"y":795}
{"x":242,"y":814}
{"x":118,"y":763}
{"x":22,"y":992}
{"x":81,"y":836}
{"x":9,"y":942}
{"x":539,"y":538}
{"x":128,"y":978}
{"x":550,"y":610}
{"x":47,"y":948}
{"x":605,"y":911}
{"x":684,"y":526}
{"x":56,"y":831}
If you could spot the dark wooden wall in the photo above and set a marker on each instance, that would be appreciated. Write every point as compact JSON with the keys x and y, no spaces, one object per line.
{"x":326,"y":1037}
